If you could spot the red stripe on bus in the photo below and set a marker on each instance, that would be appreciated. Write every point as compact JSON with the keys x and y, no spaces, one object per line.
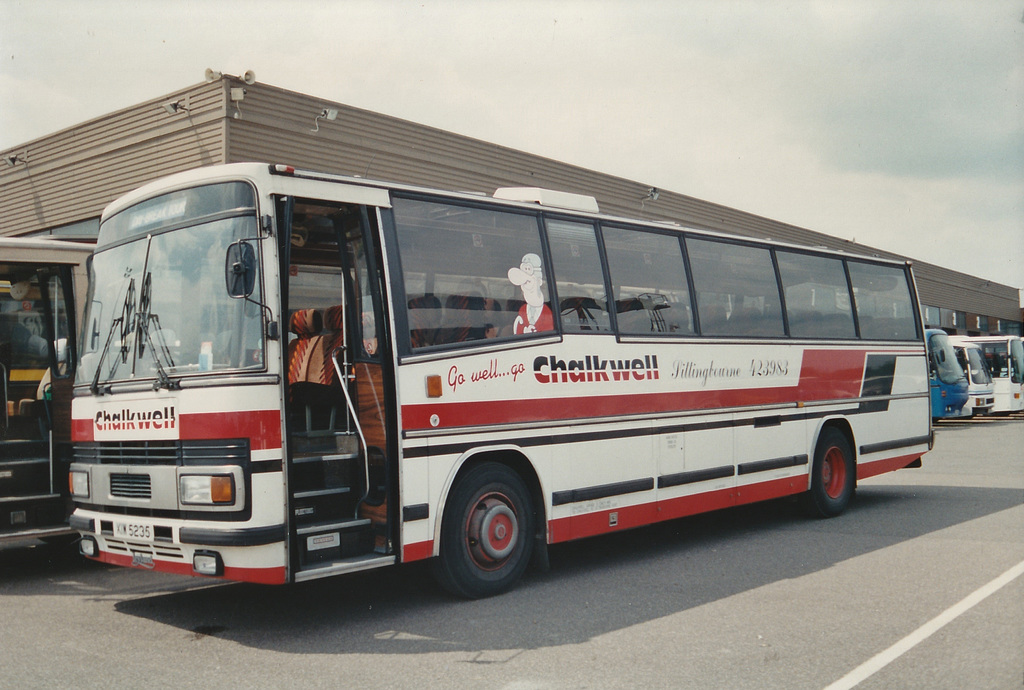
{"x":417,"y":551}
{"x":81,"y":430}
{"x":261,"y":427}
{"x":824,"y":375}
{"x":263,"y":576}
{"x":831,"y":374}
{"x":876,"y":467}
{"x":600,"y":522}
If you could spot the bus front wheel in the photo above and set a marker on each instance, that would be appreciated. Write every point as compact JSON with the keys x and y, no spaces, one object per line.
{"x":486,"y":533}
{"x":833,"y":475}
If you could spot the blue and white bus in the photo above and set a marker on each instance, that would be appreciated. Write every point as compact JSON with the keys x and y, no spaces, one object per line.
{"x":948,"y":381}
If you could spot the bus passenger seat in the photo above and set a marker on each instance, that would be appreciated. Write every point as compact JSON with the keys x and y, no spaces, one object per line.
{"x":334,"y":337}
{"x":713,"y":319}
{"x":303,"y":352}
{"x":313,"y":401}
{"x":466,"y":317}
{"x":424,"y":320}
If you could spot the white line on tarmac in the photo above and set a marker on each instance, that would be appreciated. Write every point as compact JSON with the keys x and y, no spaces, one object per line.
{"x":883,"y":659}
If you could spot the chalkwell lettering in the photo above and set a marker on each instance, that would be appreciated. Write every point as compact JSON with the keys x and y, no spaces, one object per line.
{"x":594,"y":369}
{"x":130,"y":420}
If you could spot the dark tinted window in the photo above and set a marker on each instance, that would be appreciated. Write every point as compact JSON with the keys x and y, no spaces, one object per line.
{"x":578,"y":275}
{"x":885,"y":310}
{"x":817,"y":297}
{"x":649,"y":279}
{"x":470,"y":273}
{"x":737,"y":293}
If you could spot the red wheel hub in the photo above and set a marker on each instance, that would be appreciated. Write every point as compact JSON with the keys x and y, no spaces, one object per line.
{"x":492,"y":531}
{"x":833,"y":473}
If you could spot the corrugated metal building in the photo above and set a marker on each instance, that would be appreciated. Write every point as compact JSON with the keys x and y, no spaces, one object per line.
{"x":60,"y":183}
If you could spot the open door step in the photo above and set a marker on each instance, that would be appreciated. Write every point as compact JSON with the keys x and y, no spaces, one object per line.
{"x":334,"y":540}
{"x":314,"y":445}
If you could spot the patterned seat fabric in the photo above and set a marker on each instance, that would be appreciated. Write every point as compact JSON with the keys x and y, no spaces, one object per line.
{"x":315,"y":397}
{"x":424,"y":320}
{"x":334,"y":337}
{"x":305,"y":353}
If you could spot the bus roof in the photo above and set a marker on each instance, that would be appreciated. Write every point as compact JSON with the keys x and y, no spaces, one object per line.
{"x":532,"y":198}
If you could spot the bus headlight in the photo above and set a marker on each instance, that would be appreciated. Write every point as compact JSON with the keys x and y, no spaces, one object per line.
{"x":88,"y":547}
{"x":207,"y":563}
{"x":204,"y":489}
{"x":78,"y":484}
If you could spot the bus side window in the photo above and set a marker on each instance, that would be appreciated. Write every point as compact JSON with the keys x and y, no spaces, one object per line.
{"x":817,"y":297}
{"x":740,"y":278}
{"x":578,"y":276}
{"x":649,"y":279}
{"x":458,"y":263}
{"x":885,"y":310}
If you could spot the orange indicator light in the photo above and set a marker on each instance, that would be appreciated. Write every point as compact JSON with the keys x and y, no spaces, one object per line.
{"x":434,"y":386}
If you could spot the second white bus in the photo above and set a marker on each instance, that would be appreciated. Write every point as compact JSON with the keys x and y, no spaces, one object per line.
{"x":1004,"y":355}
{"x":980,"y":387}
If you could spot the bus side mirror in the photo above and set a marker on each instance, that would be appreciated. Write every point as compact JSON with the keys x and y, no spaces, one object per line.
{"x":240,"y":269}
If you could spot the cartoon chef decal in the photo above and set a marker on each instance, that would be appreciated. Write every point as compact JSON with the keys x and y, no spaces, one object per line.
{"x":535,"y":315}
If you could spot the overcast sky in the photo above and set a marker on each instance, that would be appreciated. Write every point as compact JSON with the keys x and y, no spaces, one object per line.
{"x":899,"y":124}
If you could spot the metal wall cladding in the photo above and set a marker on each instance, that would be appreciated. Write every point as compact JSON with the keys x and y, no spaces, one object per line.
{"x":71,"y":175}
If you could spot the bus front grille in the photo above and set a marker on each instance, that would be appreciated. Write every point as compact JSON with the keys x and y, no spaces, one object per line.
{"x":192,"y":452}
{"x":131,"y":486}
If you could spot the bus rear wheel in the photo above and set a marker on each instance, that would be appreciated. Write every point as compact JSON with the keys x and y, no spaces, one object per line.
{"x":833,"y":475}
{"x":486,"y":533}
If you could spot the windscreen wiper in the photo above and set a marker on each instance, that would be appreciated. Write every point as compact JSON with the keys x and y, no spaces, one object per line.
{"x":126,"y":317}
{"x":144,"y":335}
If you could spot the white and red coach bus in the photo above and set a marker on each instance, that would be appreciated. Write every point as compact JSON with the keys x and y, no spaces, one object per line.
{"x":289,"y":375}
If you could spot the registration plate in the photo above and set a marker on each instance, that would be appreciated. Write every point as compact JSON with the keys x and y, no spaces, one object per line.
{"x":131,"y":530}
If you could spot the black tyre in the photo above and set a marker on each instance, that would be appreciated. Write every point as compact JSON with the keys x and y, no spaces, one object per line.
{"x":486,"y":533}
{"x":833,"y":475}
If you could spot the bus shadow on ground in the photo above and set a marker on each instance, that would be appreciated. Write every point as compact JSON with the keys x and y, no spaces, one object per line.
{"x":594,"y":586}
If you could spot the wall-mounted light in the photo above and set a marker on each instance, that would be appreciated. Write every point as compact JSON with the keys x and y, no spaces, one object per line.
{"x":175,"y":107}
{"x":325,"y":114}
{"x":237,"y":96}
{"x":652,"y":195}
{"x":13,"y":160}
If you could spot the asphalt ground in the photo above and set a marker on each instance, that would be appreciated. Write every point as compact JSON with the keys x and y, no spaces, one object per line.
{"x":918,"y":585}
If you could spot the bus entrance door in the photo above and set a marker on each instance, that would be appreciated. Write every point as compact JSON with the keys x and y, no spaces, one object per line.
{"x":329,"y":461}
